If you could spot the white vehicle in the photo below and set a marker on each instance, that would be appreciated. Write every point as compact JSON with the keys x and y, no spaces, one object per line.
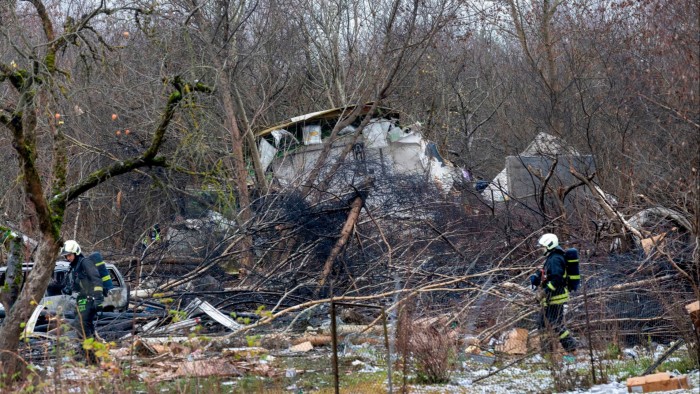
{"x":56,"y":302}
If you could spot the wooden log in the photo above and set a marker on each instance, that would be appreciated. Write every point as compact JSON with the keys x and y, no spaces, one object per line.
{"x":355,"y":208}
{"x":315,"y":340}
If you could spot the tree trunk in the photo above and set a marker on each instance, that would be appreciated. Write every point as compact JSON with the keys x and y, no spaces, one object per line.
{"x":13,"y":274}
{"x":252,"y":147}
{"x":31,"y":294}
{"x":239,"y":168}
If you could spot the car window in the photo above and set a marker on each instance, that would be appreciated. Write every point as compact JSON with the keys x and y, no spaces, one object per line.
{"x":115,"y":278}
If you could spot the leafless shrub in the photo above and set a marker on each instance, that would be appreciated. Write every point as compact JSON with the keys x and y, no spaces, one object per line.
{"x":569,"y":379}
{"x":434,"y":353}
{"x":428,"y":346}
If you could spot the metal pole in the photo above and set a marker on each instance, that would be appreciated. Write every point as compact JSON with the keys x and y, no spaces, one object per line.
{"x":138,"y":272}
{"x":588,"y":332}
{"x":388,"y":350}
{"x":334,"y":343}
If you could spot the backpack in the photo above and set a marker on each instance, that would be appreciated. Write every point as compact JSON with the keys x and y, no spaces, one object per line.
{"x":572,"y":275}
{"x":107,"y":285}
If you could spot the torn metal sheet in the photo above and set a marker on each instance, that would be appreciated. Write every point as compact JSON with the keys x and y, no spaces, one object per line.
{"x":31,"y":323}
{"x":144,"y":328}
{"x":192,"y":307}
{"x":395,"y":134}
{"x":212,"y":312}
{"x":410,"y":138}
{"x":150,"y":325}
{"x":408,"y":155}
{"x":218,"y":316}
{"x":441,"y":175}
{"x":267,"y":153}
{"x":284,"y":138}
{"x":174,"y":327}
{"x":375,"y":133}
{"x":310,"y":116}
{"x":497,"y":190}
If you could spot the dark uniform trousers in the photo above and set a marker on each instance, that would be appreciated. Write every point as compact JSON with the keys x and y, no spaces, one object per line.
{"x":552,"y":322}
{"x":84,"y":321}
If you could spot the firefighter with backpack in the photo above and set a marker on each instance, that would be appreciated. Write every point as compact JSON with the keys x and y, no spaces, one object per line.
{"x":554,"y":280}
{"x":87,"y":278}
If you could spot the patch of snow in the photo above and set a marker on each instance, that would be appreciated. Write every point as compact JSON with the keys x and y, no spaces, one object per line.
{"x":365,"y":367}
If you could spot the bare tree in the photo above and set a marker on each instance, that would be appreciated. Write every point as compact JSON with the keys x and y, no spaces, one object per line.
{"x":35,"y":78}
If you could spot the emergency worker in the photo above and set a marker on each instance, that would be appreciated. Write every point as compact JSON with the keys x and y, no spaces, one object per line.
{"x":85,"y":280}
{"x":152,"y":237}
{"x":550,"y":283}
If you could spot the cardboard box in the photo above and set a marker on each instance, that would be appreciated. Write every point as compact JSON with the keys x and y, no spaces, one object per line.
{"x":693,"y":307}
{"x":657,"y":382}
{"x":515,"y":342}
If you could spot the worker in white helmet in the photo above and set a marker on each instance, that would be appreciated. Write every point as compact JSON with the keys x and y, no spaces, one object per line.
{"x":554,"y":294}
{"x":87,"y":283}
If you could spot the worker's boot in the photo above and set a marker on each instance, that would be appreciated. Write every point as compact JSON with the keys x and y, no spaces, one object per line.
{"x":570,"y":357}
{"x":90,"y":357}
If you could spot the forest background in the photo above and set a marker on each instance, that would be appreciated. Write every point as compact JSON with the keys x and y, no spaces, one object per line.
{"x":117,"y":115}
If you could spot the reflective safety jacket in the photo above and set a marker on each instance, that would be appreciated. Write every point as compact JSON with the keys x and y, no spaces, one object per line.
{"x":554,"y":282}
{"x":86,"y":278}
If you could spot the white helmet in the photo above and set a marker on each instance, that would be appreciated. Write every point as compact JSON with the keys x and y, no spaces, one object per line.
{"x":548,"y":241}
{"x":70,"y":247}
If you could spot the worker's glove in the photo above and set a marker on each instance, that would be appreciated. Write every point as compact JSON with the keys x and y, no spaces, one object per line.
{"x":534,"y":282}
{"x":98,"y":301}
